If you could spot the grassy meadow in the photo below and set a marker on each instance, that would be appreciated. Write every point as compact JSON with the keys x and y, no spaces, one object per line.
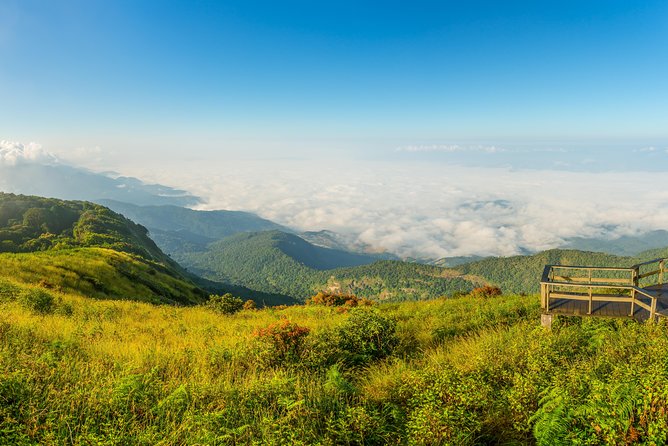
{"x":101,"y":273}
{"x":467,"y":370}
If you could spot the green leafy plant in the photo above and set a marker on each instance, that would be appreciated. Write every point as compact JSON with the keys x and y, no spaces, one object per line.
{"x":225,"y":304}
{"x":37,"y":300}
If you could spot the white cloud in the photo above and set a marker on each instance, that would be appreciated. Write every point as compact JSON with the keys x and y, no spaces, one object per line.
{"x":13,"y":153}
{"x":413,"y":209}
{"x":435,"y":210}
{"x":473,"y":148}
{"x":449,"y":148}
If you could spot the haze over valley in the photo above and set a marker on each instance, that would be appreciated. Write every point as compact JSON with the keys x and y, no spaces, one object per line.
{"x":410,"y":208}
{"x":360,"y":223}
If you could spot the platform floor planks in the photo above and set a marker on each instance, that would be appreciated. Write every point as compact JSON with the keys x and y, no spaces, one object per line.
{"x":570,"y":307}
{"x":580,"y":308}
{"x":661,"y":291}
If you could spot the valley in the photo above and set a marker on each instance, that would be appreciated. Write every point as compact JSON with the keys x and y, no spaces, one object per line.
{"x":107,"y":339}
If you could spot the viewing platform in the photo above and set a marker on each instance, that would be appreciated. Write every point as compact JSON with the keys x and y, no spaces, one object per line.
{"x":637,"y":292}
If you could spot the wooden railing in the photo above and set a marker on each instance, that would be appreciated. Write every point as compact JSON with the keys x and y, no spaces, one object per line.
{"x":605,"y":284}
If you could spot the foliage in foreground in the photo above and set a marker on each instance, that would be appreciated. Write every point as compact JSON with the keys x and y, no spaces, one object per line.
{"x":457,"y":371}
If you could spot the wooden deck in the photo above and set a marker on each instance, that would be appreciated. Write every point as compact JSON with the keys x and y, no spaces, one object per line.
{"x":637,"y":292}
{"x":569,"y":307}
{"x":661,"y":291}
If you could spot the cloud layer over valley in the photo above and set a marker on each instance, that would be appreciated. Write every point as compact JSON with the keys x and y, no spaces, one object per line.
{"x":407,"y":207}
{"x":433,"y":209}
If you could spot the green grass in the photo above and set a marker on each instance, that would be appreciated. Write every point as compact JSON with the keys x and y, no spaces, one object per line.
{"x":449,"y":371}
{"x":100,"y":273}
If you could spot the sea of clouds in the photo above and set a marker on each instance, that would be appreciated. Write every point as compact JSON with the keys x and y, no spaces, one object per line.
{"x":414,"y":208}
{"x":417,"y":209}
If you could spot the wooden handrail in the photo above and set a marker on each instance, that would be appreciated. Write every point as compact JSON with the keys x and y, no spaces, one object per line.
{"x":586,"y":284}
{"x":649,"y":262}
{"x":600,"y":268}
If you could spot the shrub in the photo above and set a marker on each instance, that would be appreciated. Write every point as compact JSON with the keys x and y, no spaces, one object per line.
{"x":337,"y":300}
{"x":249,"y":305}
{"x":363,"y":337}
{"x":37,"y":300}
{"x":357,"y":425}
{"x":486,"y":291}
{"x":366,"y":336}
{"x":64,"y":308}
{"x":225,"y":304}
{"x":284,"y":339}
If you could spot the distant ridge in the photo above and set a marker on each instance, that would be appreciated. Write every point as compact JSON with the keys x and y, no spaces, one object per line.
{"x":625,"y":245}
{"x":75,"y":183}
{"x":176,"y":229}
{"x":521,"y":274}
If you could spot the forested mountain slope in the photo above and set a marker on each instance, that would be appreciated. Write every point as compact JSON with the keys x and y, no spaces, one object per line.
{"x":277,"y":262}
{"x":176,"y":229}
{"x":86,"y":248}
{"x":521,"y":274}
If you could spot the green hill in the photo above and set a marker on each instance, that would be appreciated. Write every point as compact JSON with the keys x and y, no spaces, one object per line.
{"x":85,"y":248}
{"x":100,"y":273}
{"x":29,"y":223}
{"x":398,"y":281}
{"x":521,"y":274}
{"x":176,"y":229}
{"x":277,"y":262}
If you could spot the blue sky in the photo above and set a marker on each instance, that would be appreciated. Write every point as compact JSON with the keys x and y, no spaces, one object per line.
{"x":401,"y":123}
{"x":332,"y":78}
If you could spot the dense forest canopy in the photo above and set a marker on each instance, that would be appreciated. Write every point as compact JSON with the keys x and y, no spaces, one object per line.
{"x":30,"y":224}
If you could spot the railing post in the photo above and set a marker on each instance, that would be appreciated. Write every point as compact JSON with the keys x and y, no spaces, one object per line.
{"x":590,"y":294}
{"x":634,"y":275}
{"x":542,"y":296}
{"x":633,"y":301}
{"x":652,"y":314}
{"x":662,"y":265}
{"x":547,"y":297}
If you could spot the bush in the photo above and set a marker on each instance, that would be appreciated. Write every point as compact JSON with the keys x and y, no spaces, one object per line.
{"x":249,"y":305}
{"x":284,"y":339}
{"x":225,"y":304}
{"x":38,"y":301}
{"x":486,"y":292}
{"x":366,"y":336}
{"x":337,"y":300}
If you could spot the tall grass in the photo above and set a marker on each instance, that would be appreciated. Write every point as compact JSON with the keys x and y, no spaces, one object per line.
{"x":101,"y":273}
{"x":449,"y":371}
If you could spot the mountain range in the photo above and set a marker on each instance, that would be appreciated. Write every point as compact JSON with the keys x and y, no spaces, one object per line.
{"x":200,"y":252}
{"x":64,"y":181}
